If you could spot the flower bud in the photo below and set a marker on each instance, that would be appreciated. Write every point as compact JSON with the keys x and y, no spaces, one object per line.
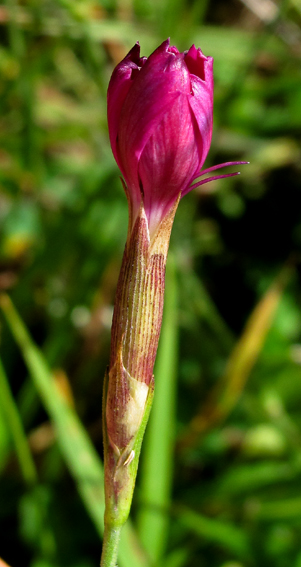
{"x":160,"y":124}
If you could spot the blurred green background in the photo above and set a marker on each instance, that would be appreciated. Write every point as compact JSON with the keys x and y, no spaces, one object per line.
{"x":220,"y":477}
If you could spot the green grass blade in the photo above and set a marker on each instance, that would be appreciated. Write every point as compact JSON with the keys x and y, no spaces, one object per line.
{"x":5,"y":441}
{"x":179,"y":557}
{"x":12,"y":417}
{"x":241,"y":361}
{"x":15,"y":34}
{"x":80,"y":455}
{"x":280,"y":510}
{"x":157,"y":460}
{"x":226,"y":535}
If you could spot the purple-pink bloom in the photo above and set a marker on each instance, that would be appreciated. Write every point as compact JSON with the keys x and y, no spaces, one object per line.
{"x":160,"y":113}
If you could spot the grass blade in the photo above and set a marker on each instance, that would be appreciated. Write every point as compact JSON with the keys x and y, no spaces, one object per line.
{"x":224,"y":534}
{"x":240,"y":363}
{"x":80,"y":455}
{"x":10,"y":411}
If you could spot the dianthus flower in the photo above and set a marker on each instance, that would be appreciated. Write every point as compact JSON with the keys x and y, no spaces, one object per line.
{"x":160,"y":112}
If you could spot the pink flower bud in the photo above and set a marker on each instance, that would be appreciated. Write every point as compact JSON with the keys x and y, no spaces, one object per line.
{"x":160,"y":123}
{"x":160,"y":113}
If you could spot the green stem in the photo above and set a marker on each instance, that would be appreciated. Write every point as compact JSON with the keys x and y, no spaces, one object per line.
{"x":110,"y":546}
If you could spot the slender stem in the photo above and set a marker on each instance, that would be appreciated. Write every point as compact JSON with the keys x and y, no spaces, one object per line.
{"x":110,"y":545}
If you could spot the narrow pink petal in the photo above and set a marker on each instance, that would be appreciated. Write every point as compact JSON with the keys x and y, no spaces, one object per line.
{"x":201,"y":104}
{"x":226,"y":164}
{"x":198,"y":64}
{"x":199,"y":183}
{"x":201,"y":101}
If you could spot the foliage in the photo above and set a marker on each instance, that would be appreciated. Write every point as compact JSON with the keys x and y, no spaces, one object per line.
{"x":221,"y":465}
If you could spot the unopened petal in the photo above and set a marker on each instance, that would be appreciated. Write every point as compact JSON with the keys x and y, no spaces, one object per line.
{"x":198,"y":64}
{"x":169,"y":160}
{"x":162,"y":80}
{"x":201,"y":104}
{"x":119,"y":85}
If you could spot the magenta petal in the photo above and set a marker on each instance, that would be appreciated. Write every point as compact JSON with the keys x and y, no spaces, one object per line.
{"x":164,"y":49}
{"x":214,"y":168}
{"x":197,"y":62}
{"x":135,"y":133}
{"x":209,"y":179}
{"x":169,"y":160}
{"x":220,"y":165}
{"x":201,"y":104}
{"x":150,"y":98}
{"x":119,"y":86}
{"x":201,"y":101}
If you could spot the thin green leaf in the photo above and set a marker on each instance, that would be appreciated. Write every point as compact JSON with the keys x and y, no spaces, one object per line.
{"x":241,"y":361}
{"x":10,"y":412}
{"x":223,"y":533}
{"x":247,"y":478}
{"x":80,"y":455}
{"x":287,"y":509}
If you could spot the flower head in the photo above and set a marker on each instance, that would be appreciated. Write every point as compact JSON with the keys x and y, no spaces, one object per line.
{"x":160,"y":112}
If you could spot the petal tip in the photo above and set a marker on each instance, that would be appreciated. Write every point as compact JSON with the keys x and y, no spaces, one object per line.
{"x":134,"y":53}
